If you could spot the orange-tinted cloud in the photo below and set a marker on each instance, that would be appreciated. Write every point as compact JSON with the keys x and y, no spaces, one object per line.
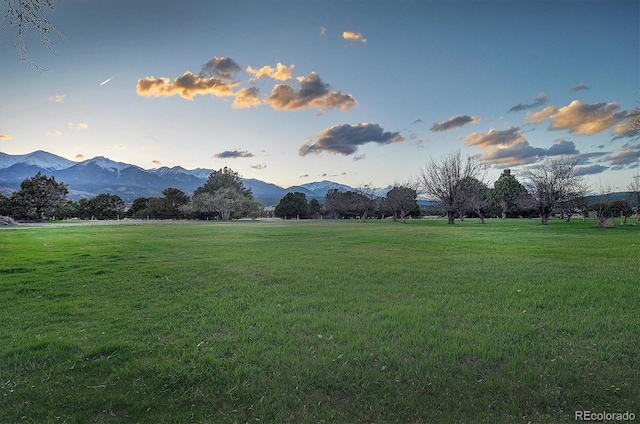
{"x":354,"y":37}
{"x":57,"y":99}
{"x":537,"y":117}
{"x":5,"y":137}
{"x":187,"y":86}
{"x":280,"y":73}
{"x":246,"y":98}
{"x":584,"y":119}
{"x":313,"y":93}
{"x":495,"y":137}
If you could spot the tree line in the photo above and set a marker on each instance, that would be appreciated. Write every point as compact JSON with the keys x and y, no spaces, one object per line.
{"x":458,"y":183}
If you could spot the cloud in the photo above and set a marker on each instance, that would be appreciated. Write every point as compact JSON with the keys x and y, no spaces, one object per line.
{"x":56,"y":133}
{"x":510,"y":148}
{"x":591,"y":170}
{"x":233,"y":154}
{"x":119,"y":146}
{"x":304,"y":176}
{"x":156,"y":162}
{"x":259,"y":167}
{"x":57,"y":99}
{"x":580,"y":87}
{"x":107,"y":80}
{"x":323,"y":30}
{"x":584,"y":119}
{"x":313,"y":93}
{"x":455,"y":122}
{"x":540,"y":100}
{"x":79,"y":156}
{"x":187,"y":86}
{"x":495,"y":137}
{"x":5,"y":137}
{"x":345,"y":139}
{"x":359,"y":157}
{"x":354,"y":37}
{"x":627,"y":157}
{"x":79,"y":127}
{"x":246,"y":98}
{"x":522,"y":153}
{"x":537,"y":117}
{"x":220,"y":67}
{"x":280,"y":73}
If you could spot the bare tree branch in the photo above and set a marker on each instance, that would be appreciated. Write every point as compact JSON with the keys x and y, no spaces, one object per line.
{"x":26,"y":16}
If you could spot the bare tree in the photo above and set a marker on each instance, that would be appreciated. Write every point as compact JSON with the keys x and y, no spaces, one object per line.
{"x":400,"y":200}
{"x":444,"y":180}
{"x":553,"y":182}
{"x":603,"y":207}
{"x":475,"y":194}
{"x":26,"y":16}
{"x":634,"y":188}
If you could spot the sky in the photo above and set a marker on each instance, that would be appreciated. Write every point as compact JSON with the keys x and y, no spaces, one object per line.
{"x":357,"y":92}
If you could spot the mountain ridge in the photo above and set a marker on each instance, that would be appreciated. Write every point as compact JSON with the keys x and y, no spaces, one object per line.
{"x":100,"y":174}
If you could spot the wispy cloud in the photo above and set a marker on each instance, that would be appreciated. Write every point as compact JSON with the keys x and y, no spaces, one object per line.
{"x":246,"y":98}
{"x":580,"y":87}
{"x":627,"y":157}
{"x":187,"y":86}
{"x":5,"y":137}
{"x":79,"y":156}
{"x":591,"y":169}
{"x":345,"y":139}
{"x":54,"y":133}
{"x":541,"y":115}
{"x":79,"y":127}
{"x":313,"y":93}
{"x":233,"y":154}
{"x":280,"y":72}
{"x":259,"y":166}
{"x":455,"y":122}
{"x":108,"y":80}
{"x":541,"y":99}
{"x":323,"y":30}
{"x":57,"y":99}
{"x":354,"y":37}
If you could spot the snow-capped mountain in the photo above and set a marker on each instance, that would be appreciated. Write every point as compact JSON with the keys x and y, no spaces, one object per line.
{"x":321,"y":188}
{"x":106,"y":164}
{"x":39,"y":158}
{"x":178,"y":171}
{"x":103,"y":175}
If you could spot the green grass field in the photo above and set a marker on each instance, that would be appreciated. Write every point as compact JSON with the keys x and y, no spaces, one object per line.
{"x":319,"y":321}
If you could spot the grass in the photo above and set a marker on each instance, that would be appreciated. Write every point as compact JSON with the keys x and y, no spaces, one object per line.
{"x":323,"y":321}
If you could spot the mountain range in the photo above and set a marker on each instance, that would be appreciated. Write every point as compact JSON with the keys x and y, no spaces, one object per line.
{"x":102,"y":175}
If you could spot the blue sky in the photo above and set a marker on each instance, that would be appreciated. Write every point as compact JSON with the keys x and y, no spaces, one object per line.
{"x":358,"y":92}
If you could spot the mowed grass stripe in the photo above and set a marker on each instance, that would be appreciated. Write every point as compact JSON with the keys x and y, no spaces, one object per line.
{"x":319,"y":320}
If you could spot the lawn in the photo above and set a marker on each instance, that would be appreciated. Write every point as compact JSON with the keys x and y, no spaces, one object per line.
{"x":319,"y":321}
